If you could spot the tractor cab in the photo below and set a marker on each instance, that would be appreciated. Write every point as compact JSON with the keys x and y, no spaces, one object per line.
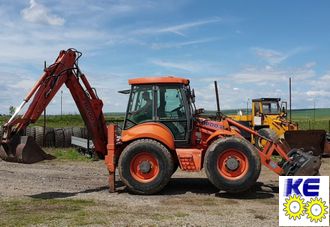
{"x":165,"y":100}
{"x":267,"y":107}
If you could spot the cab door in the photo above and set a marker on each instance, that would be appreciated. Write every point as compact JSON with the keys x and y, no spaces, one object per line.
{"x":172,"y":111}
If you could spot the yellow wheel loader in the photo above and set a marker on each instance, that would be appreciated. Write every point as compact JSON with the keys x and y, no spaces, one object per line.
{"x":268,"y":117}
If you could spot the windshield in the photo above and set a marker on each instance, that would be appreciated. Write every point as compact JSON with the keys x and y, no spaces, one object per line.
{"x":140,"y":105}
{"x":271,"y":108}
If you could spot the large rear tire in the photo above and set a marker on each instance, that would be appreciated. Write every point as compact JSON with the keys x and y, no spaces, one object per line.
{"x":145,"y":166}
{"x":268,"y":133}
{"x":232,"y":164}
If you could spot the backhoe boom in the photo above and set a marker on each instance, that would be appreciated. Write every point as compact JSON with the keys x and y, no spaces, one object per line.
{"x":66,"y":71}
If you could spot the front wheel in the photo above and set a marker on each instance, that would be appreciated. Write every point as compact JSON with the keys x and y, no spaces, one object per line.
{"x":231,"y":164}
{"x":145,"y":166}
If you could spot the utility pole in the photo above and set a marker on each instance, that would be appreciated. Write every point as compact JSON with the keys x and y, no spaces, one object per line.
{"x":314,"y":114}
{"x":290,"y":97}
{"x":61,"y":103}
{"x":247,"y":106}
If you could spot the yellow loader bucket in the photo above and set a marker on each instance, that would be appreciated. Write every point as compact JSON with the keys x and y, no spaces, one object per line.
{"x":309,"y":140}
{"x":23,"y":149}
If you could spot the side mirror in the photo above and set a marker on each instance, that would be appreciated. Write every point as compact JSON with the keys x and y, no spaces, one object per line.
{"x":193,"y":96}
{"x":284,"y":108}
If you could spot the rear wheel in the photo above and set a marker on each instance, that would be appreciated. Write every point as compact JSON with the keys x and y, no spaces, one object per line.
{"x":231,"y":164}
{"x":268,"y":133}
{"x":145,"y":166}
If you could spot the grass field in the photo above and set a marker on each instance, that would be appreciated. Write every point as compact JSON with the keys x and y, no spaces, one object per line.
{"x":69,"y":120}
{"x":306,"y":118}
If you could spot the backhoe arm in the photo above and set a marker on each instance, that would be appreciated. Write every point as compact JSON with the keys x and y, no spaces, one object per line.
{"x":65,"y":70}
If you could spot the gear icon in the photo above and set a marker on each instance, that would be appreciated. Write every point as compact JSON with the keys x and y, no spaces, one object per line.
{"x":316,"y":210}
{"x":294,"y":207}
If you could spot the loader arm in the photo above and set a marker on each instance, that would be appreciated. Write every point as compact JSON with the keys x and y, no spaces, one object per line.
{"x":294,"y":161}
{"x":66,"y":71}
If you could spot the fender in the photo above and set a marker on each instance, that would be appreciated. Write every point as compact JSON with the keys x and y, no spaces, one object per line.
{"x":150,"y":130}
{"x":222,"y":132}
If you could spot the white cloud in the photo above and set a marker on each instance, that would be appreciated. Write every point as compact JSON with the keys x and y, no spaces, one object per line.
{"x":181,"y":44}
{"x":186,"y":66}
{"x":24,"y":84}
{"x":192,"y":67}
{"x":267,"y":75}
{"x":176,"y":29}
{"x":274,"y":57}
{"x":310,"y":65}
{"x":319,"y":93}
{"x":40,"y":14}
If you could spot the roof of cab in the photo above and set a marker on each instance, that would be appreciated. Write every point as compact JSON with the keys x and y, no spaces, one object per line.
{"x":159,"y":80}
{"x":266,"y":99}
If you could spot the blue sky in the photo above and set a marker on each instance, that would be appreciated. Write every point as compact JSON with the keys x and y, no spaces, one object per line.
{"x":250,"y":47}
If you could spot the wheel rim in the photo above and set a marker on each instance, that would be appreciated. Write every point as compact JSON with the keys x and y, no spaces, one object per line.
{"x":232,"y":164}
{"x":144,"y":167}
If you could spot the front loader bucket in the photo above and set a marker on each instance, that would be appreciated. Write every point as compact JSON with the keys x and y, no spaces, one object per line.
{"x":301,"y":164}
{"x":327,"y":146}
{"x":309,"y":140}
{"x":23,"y":149}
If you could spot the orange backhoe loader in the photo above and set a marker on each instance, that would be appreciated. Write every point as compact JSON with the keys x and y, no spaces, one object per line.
{"x":162,"y":130}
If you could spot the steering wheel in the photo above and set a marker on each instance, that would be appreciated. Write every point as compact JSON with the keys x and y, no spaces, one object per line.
{"x":176,"y":109}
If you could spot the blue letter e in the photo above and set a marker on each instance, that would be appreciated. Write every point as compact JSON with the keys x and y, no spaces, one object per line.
{"x":311,"y":187}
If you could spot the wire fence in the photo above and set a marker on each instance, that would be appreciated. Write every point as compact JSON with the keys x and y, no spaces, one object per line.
{"x":311,"y":124}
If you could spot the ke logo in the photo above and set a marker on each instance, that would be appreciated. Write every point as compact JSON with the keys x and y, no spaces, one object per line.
{"x":304,"y":201}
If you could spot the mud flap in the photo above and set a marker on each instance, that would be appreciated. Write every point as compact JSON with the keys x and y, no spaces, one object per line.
{"x":301,"y":164}
{"x":23,"y":149}
{"x":309,"y":140}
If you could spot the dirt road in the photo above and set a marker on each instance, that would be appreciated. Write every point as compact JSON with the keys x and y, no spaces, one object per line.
{"x":75,"y":193}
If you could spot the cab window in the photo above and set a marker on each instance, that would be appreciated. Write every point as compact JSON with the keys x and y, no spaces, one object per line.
{"x":271,"y":108}
{"x":140,"y":106}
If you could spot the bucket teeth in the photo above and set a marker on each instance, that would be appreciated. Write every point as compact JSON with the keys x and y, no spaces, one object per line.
{"x":23,"y":149}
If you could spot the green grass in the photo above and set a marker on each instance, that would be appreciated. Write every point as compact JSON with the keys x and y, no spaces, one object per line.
{"x":70,"y":120}
{"x":78,"y":212}
{"x":310,"y":119}
{"x":67,"y":154}
{"x":50,"y":212}
{"x":304,"y":117}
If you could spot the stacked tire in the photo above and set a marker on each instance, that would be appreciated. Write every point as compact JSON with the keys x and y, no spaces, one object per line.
{"x":53,"y":137}
{"x":59,"y":137}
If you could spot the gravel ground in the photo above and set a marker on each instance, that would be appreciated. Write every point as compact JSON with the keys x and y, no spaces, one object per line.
{"x":188,"y":200}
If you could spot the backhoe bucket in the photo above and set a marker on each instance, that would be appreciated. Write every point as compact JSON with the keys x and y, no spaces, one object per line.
{"x":23,"y":149}
{"x":309,"y":140}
